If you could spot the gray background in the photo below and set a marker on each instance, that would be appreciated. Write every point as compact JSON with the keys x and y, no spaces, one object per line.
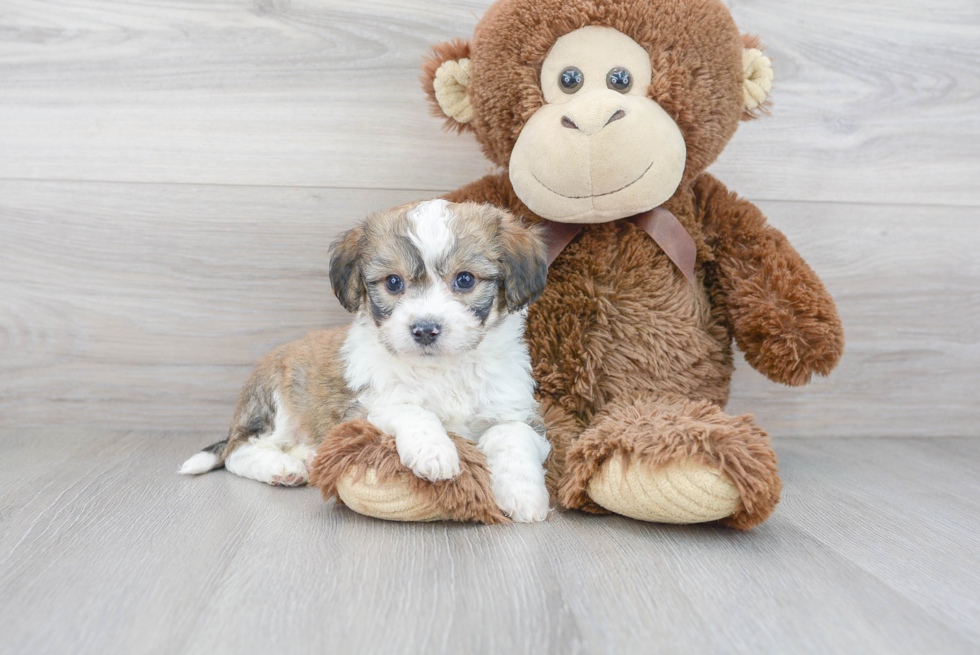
{"x":171,"y":173}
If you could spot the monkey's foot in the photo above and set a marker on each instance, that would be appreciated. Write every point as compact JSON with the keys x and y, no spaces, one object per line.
{"x":391,"y":500}
{"x":360,"y":465}
{"x":682,"y":492}
{"x":672,"y":461}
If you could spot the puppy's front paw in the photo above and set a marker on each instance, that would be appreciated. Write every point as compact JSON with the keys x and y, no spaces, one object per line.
{"x":524,"y":501}
{"x":431,"y":458}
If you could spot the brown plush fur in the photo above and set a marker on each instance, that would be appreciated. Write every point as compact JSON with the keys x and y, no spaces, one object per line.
{"x":452,"y":50}
{"x":694,"y":46}
{"x":356,"y":446}
{"x":777,"y":308}
{"x":654,"y":431}
{"x":629,"y":356}
{"x":617,"y":323}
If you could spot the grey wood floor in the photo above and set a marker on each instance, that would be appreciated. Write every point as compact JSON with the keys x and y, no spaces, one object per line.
{"x":874,"y":549}
{"x":170,"y":176}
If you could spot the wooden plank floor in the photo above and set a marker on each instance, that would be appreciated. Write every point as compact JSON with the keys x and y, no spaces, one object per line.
{"x":170,"y":177}
{"x":874,"y":549}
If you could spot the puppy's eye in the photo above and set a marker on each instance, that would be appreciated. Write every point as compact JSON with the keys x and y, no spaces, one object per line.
{"x":394,"y":284}
{"x":619,"y":79}
{"x":570,"y":80}
{"x":464,"y":281}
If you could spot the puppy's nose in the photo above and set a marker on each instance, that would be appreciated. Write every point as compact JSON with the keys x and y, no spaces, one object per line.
{"x":425,"y":333}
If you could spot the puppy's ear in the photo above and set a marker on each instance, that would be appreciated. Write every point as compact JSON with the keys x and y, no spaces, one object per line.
{"x":345,"y":268}
{"x":524,"y":260}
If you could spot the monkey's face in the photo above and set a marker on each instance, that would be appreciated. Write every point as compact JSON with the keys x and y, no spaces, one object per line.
{"x":600,"y":109}
{"x":599,"y":149}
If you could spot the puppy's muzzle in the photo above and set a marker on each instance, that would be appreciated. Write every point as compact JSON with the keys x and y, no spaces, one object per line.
{"x":426,"y":332}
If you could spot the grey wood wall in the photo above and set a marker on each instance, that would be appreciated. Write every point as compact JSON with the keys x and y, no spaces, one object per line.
{"x":171,"y":174}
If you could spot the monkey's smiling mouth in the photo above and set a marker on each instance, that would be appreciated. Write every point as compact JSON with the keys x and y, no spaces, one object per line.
{"x":594,"y":195}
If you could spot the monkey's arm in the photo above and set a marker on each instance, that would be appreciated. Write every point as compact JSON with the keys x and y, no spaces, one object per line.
{"x":779,"y":311}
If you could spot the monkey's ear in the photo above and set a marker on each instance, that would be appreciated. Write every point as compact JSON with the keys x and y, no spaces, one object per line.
{"x":523,"y":260}
{"x":756,"y":78}
{"x":446,"y":80}
{"x":345,"y":268}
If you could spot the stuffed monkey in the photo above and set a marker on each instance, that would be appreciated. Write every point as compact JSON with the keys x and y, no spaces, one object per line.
{"x":603,"y":116}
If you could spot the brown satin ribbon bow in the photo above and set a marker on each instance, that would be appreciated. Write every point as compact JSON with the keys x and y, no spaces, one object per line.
{"x":659,"y":223}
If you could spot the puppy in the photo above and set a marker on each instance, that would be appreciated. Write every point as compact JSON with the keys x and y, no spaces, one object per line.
{"x":437,"y":345}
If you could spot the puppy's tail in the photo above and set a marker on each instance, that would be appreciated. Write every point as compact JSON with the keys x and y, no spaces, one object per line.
{"x":210,"y":458}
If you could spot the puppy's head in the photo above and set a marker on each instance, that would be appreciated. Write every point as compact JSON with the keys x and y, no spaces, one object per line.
{"x":436,"y":277}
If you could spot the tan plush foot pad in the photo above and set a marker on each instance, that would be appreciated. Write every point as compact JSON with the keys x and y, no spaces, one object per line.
{"x":360,"y":465}
{"x":676,"y":493}
{"x":393,"y":500}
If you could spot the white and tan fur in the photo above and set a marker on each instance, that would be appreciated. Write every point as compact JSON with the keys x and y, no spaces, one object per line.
{"x":467,"y":371}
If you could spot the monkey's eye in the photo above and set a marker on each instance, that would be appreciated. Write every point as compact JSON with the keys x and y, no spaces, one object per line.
{"x":464,"y":281}
{"x":619,"y":79}
{"x":570,"y":80}
{"x":394,"y":284}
